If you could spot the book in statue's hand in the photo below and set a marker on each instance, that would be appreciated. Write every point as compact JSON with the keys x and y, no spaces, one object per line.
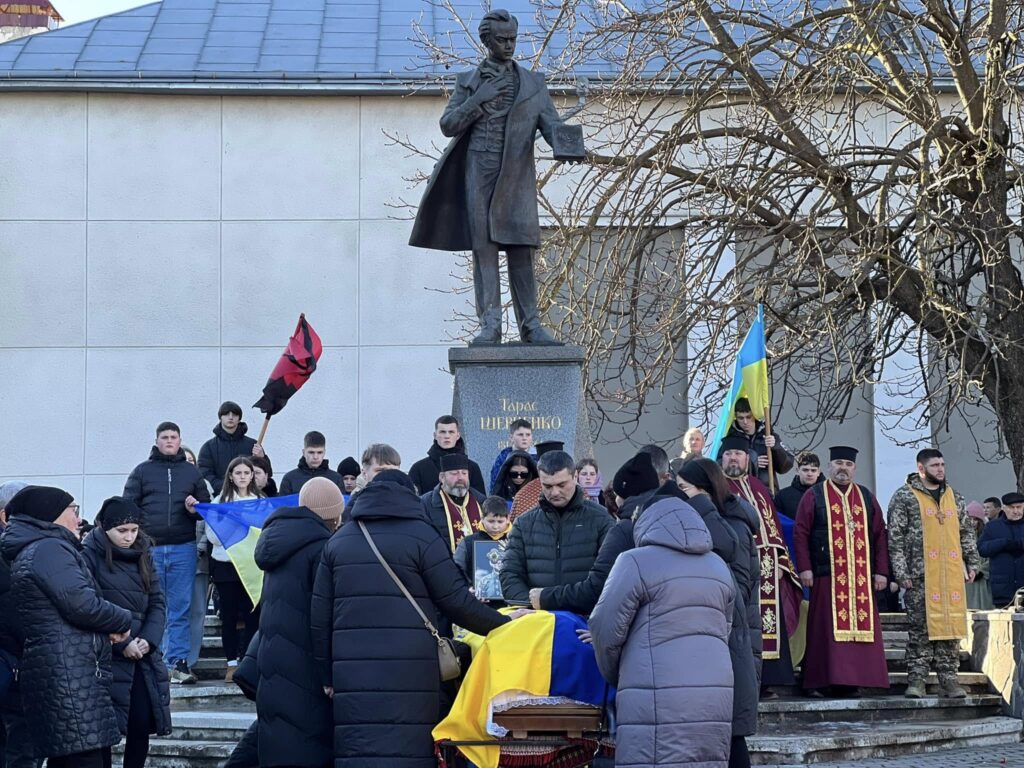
{"x":567,"y":142}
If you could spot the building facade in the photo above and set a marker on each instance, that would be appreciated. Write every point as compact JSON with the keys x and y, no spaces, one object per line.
{"x":196,"y":179}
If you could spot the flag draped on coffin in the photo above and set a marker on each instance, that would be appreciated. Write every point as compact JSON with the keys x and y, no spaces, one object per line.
{"x":749,"y":380}
{"x":293,"y":369}
{"x":539,"y":655}
{"x":238,"y":525}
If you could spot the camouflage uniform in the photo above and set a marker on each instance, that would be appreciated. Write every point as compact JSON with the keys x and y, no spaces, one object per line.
{"x":906,"y":551}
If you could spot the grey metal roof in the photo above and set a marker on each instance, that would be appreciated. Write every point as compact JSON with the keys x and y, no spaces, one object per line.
{"x":251,"y":42}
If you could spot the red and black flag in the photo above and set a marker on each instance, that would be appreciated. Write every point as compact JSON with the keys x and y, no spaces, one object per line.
{"x":295,"y":366}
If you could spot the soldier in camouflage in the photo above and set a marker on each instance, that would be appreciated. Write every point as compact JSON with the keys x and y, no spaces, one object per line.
{"x":906,"y":549}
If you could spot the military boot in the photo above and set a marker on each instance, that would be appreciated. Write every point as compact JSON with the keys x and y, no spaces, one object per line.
{"x":915,"y":689}
{"x":950,"y":689}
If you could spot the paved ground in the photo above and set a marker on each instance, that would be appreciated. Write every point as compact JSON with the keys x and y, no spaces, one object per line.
{"x":1007,"y":756}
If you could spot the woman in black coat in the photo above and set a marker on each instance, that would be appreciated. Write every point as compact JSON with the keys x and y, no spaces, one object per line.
{"x":702,"y":481}
{"x":294,"y":713}
{"x":519,"y":469}
{"x":371,"y":645}
{"x":118,"y":554}
{"x":65,"y":670}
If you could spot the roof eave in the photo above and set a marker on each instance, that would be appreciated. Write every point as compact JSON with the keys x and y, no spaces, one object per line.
{"x":284,"y":84}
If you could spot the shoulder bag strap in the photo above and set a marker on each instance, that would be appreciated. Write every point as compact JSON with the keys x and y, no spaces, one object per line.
{"x":394,"y":577}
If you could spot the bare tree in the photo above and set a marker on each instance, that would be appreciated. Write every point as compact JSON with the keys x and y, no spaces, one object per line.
{"x":850,"y":166}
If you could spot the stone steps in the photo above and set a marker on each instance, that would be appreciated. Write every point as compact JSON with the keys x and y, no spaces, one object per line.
{"x":170,"y":753}
{"x":854,"y":740}
{"x":210,"y":668}
{"x":218,"y":696}
{"x":210,"y":726}
{"x":789,"y":713}
{"x":209,"y":718}
{"x":788,"y":734}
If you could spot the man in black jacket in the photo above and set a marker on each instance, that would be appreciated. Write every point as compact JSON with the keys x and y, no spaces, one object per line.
{"x":167,"y":488}
{"x":554,"y":545}
{"x":447,"y":439}
{"x":229,"y":440}
{"x":312,"y":464}
{"x":749,"y":428}
{"x":808,"y":474}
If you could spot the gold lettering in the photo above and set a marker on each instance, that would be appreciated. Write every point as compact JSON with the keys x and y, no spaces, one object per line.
{"x":517,"y":407}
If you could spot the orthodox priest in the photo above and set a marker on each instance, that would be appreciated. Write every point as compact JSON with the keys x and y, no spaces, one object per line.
{"x":842,"y":555}
{"x":453,"y":507}
{"x":780,"y":592}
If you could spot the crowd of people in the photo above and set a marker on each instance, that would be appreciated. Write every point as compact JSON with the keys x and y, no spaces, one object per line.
{"x":367,"y":574}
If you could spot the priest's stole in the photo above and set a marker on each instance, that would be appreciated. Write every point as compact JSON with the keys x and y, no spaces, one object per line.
{"x":853,"y":613}
{"x":945,"y":596}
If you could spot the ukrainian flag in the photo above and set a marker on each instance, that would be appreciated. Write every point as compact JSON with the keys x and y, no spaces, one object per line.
{"x":749,"y":380}
{"x":539,"y":654}
{"x":238,"y":525}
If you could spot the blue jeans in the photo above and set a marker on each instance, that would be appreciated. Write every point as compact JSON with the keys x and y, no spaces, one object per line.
{"x":175,"y":565}
{"x":200,"y":595}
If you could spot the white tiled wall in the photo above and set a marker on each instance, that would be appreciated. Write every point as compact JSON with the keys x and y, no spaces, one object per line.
{"x":155,"y":254}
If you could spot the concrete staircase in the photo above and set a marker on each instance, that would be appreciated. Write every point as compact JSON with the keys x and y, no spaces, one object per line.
{"x":210,"y":717}
{"x":795,"y":730}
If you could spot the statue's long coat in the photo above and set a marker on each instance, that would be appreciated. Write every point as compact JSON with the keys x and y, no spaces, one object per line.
{"x":441,"y":221}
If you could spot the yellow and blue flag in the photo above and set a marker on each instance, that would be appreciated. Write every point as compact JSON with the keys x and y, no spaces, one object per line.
{"x":238,"y":525}
{"x":539,"y":654}
{"x":749,"y":380}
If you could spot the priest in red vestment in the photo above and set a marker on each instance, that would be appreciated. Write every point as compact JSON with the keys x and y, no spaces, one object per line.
{"x":842,"y":555}
{"x":780,"y":591}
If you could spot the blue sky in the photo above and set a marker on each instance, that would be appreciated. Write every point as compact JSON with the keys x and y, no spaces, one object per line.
{"x":75,"y":11}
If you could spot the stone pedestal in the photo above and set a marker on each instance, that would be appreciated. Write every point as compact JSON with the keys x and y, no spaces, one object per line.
{"x":496,"y":385}
{"x":996,"y":644}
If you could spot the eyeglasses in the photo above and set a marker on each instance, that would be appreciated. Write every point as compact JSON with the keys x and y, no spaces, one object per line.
{"x":74,"y":508}
{"x":519,"y":474}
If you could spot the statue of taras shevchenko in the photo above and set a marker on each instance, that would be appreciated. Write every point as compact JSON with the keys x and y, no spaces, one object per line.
{"x":482,"y":195}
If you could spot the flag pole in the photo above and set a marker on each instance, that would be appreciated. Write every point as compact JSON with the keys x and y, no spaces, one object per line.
{"x":263,"y":432}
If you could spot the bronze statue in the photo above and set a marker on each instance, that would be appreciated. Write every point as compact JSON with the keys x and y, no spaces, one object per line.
{"x":482,"y":195}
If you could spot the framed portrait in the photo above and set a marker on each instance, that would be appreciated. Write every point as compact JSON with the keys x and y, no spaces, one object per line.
{"x":487,"y":569}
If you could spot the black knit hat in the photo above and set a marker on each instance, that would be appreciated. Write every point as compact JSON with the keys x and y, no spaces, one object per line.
{"x":635,"y":476}
{"x":349,"y":466}
{"x":695,"y":474}
{"x":41,"y":502}
{"x":454,"y":461}
{"x":118,"y":511}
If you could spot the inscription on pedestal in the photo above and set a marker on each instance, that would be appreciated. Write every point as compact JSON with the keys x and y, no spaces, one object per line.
{"x":494,"y":386}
